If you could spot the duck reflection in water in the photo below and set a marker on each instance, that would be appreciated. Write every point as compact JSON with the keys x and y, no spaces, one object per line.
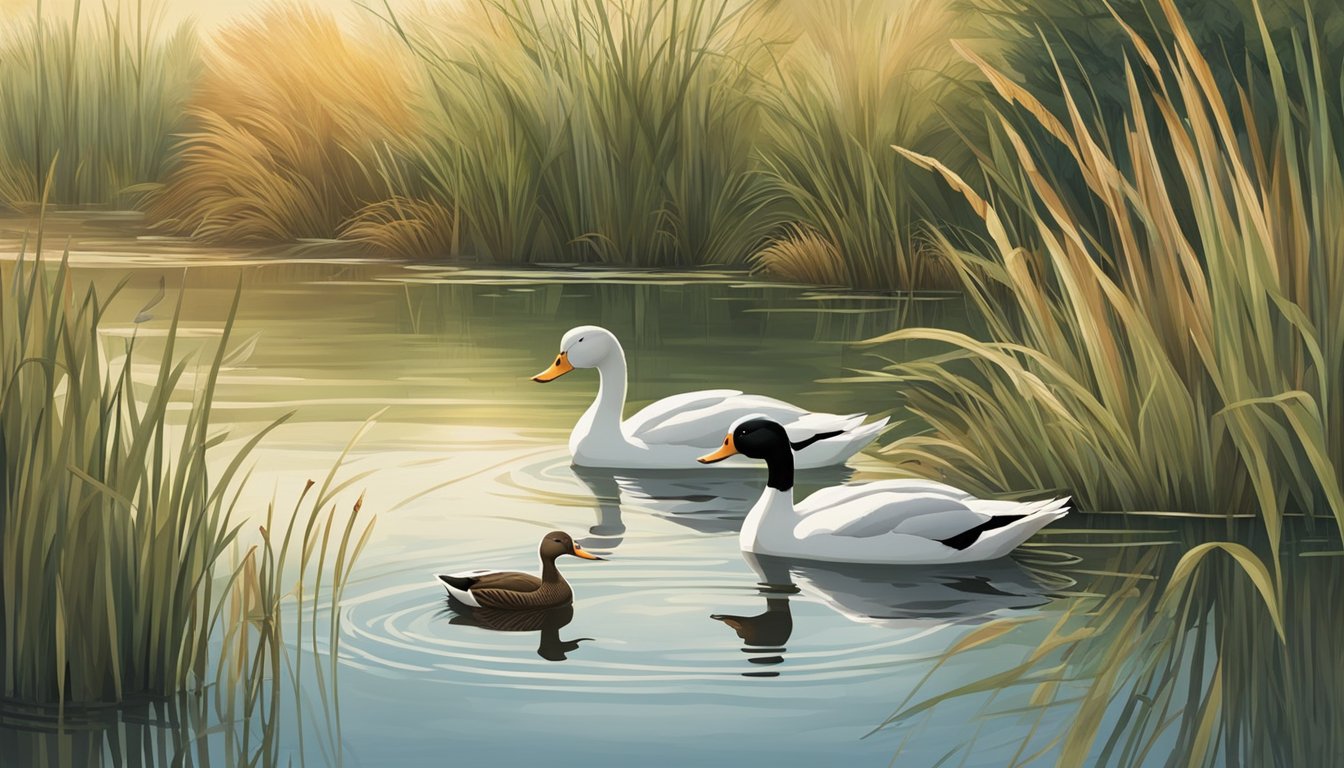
{"x":548,"y":622}
{"x":917,"y":598}
{"x":714,"y":504}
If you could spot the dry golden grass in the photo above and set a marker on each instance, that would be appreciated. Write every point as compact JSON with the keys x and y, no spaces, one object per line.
{"x":407,"y":226}
{"x":801,"y":256}
{"x":294,"y":119}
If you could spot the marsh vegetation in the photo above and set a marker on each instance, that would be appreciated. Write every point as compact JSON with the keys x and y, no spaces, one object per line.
{"x":1143,"y":208}
{"x":123,"y":577}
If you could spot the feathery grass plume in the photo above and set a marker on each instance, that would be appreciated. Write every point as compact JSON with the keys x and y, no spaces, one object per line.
{"x":858,"y":78}
{"x":290,"y":122}
{"x":1196,"y":365}
{"x":406,"y":226}
{"x":102,"y":90}
{"x":595,"y":130}
{"x":801,"y":256}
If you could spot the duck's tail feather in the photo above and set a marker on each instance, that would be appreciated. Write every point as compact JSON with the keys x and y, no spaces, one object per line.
{"x":456,"y":581}
{"x":838,"y":449}
{"x":970,"y":536}
{"x":1035,"y":516}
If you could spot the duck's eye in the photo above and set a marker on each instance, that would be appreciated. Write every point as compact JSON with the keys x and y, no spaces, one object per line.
{"x":580,"y":339}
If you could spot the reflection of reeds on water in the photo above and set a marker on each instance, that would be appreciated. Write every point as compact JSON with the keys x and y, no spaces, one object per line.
{"x":1141,"y":671}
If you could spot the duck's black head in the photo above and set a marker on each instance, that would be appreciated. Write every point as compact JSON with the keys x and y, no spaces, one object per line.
{"x":557,"y":543}
{"x":765,"y":439}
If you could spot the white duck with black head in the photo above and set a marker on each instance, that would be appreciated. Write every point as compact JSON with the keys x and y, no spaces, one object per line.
{"x":886,"y":521}
{"x":671,"y":433}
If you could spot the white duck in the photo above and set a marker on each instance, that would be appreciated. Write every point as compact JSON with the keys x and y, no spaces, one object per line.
{"x":888,"y":521}
{"x":672,"y":432}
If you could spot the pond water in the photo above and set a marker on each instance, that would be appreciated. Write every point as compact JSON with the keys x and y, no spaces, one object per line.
{"x":678,"y":650}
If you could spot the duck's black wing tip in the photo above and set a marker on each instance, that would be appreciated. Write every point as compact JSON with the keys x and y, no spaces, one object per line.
{"x":457,"y":582}
{"x":967,"y":538}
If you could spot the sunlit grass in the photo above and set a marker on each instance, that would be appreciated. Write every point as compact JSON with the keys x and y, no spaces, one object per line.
{"x":803,"y":256}
{"x":1139,"y":357}
{"x":293,"y":121}
{"x":102,"y":88}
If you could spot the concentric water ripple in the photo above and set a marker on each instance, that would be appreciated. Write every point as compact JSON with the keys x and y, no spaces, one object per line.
{"x":676,"y":608}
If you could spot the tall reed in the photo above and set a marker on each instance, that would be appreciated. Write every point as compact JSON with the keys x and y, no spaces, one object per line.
{"x":282,"y":614}
{"x":857,"y":78}
{"x":1195,"y":364}
{"x":111,"y":525}
{"x":595,"y":130}
{"x":113,"y":522}
{"x":102,"y":90}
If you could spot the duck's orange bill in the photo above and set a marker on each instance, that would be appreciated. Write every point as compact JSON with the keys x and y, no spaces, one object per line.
{"x":585,"y":554}
{"x":559,"y":368}
{"x":724,"y":452}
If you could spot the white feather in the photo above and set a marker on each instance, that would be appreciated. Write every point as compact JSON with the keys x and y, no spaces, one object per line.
{"x":673,"y":432}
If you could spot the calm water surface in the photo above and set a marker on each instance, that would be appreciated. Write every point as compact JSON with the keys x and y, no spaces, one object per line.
{"x":678,"y":651}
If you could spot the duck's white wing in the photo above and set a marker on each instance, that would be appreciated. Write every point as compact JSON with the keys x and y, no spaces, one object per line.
{"x":657,"y":413}
{"x":703,"y":418}
{"x":929,"y":513}
{"x":856,"y":493}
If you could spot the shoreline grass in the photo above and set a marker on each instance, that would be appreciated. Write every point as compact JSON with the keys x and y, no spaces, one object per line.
{"x":857,"y":78}
{"x":103,"y":90}
{"x":115,"y":524}
{"x":1197,"y":363}
{"x":288,"y":126}
{"x":615,"y":132}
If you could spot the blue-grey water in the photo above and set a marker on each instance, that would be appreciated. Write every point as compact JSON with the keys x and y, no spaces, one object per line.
{"x":678,"y":650}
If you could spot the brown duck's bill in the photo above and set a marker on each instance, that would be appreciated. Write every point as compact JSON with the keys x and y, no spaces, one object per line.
{"x":728,"y":449}
{"x":559,"y":368}
{"x":585,"y":554}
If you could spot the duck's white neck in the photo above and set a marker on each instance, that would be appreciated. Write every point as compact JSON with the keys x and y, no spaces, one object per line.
{"x":602,"y":420}
{"x":768,"y":527}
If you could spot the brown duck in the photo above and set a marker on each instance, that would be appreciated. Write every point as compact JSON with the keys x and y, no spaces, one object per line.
{"x":514,"y":591}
